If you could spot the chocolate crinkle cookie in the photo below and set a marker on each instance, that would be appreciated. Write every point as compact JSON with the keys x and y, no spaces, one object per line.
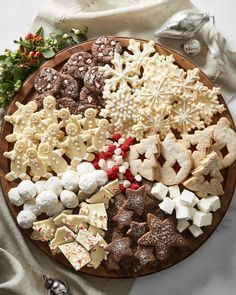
{"x":104,"y":48}
{"x":67,"y":102}
{"x":78,"y":64}
{"x":48,"y":80}
{"x":69,"y":87}
{"x":94,"y":80}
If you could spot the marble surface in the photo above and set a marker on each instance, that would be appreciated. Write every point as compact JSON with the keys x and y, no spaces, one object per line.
{"x":212,"y":269}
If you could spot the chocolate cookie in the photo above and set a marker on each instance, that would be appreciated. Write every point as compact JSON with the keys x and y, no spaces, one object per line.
{"x":89,"y":97}
{"x":104,"y":47}
{"x":78,"y":64}
{"x":39,"y":99}
{"x":48,"y":80}
{"x":69,"y":87}
{"x":94,"y":80}
{"x":67,"y":102}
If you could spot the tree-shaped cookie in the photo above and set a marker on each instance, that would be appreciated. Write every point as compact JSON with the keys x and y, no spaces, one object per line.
{"x":206,"y":179}
{"x":175,"y":161}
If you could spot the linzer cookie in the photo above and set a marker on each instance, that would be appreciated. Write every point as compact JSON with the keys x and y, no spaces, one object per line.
{"x":104,"y":48}
{"x":78,"y":65}
{"x":48,"y":80}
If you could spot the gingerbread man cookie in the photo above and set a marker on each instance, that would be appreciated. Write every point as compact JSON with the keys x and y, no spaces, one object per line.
{"x":52,"y":136}
{"x":37,"y":166}
{"x":89,"y":121}
{"x":38,"y":124}
{"x":53,"y":158}
{"x":49,"y":109}
{"x":27,"y":135}
{"x":18,"y":161}
{"x":66,"y":118}
{"x":100,"y":136}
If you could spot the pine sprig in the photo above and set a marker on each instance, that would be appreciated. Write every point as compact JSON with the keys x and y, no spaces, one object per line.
{"x":34,"y":49}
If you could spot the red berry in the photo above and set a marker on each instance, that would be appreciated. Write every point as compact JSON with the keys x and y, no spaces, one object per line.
{"x":112,"y":148}
{"x":95,"y":165}
{"x":111,"y":175}
{"x":115,"y":168}
{"x":122,"y":188}
{"x":28,"y":36}
{"x":134,"y":186}
{"x":116,"y":137}
{"x":35,"y":60}
{"x":22,"y":47}
{"x":38,"y":53}
{"x":31,"y":53}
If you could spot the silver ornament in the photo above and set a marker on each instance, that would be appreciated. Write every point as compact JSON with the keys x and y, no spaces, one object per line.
{"x":56,"y":286}
{"x":192,"y":47}
{"x":183,"y":24}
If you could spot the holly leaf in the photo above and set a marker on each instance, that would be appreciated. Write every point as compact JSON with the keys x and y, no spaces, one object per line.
{"x":17,"y":73}
{"x":56,"y":34}
{"x":48,"y":53}
{"x":2,"y":57}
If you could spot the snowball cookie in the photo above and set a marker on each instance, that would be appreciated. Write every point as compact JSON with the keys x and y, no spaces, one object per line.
{"x":31,"y":205}
{"x":40,"y":186}
{"x":26,"y":218}
{"x":46,"y":200}
{"x":85,"y":167}
{"x":69,"y":199}
{"x":54,"y":184}
{"x":58,"y":208}
{"x":27,"y":189}
{"x":70,"y":180}
{"x":88,"y":183}
{"x":14,"y":197}
{"x":101,"y":177}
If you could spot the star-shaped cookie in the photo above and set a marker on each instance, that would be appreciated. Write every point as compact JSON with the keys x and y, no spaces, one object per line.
{"x":120,"y":248}
{"x":137,"y":230}
{"x":138,"y":200}
{"x":145,"y":255}
{"x":163,"y":235}
{"x":123,"y":218}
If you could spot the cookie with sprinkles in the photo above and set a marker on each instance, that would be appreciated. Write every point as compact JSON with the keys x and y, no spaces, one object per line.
{"x":78,"y":64}
{"x":48,"y":80}
{"x":94,"y":80}
{"x":104,"y":48}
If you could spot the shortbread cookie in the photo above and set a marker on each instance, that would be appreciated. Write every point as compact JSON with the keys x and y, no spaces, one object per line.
{"x":175,"y":161}
{"x":224,"y":142}
{"x":78,"y":65}
{"x":48,"y":80}
{"x":94,"y":80}
{"x":206,"y":178}
{"x":69,"y":87}
{"x":104,"y":48}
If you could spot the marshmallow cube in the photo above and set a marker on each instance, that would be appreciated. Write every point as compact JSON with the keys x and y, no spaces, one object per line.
{"x":31,"y":205}
{"x":183,"y":212}
{"x":70,"y":181}
{"x":54,"y":184}
{"x":118,"y":159}
{"x":27,"y":190}
{"x":182,"y":225}
{"x":204,"y":205}
{"x":102,"y":164}
{"x":188,"y":198}
{"x":202,"y":219}
{"x":110,"y":163}
{"x":14,"y":197}
{"x":69,"y":199}
{"x":195,"y":230}
{"x":101,"y":177}
{"x":215,"y":203}
{"x":46,"y":200}
{"x":84,"y":168}
{"x":88,"y":183}
{"x":159,"y":191}
{"x":138,"y":177}
{"x":174,"y":191}
{"x":26,"y":218}
{"x":167,"y":205}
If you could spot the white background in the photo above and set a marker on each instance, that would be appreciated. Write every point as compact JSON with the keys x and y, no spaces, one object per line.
{"x":212,"y":269}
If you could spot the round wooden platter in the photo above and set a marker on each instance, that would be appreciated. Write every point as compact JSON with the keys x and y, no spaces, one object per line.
{"x":27,"y":93}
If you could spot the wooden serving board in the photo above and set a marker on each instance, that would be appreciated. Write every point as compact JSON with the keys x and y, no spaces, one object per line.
{"x":27,"y":93}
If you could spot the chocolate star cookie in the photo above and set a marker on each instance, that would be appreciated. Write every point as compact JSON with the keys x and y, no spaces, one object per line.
{"x":138,"y":200}
{"x":137,"y":230}
{"x":120,"y":248}
{"x":123,"y":218}
{"x":145,"y":255}
{"x":163,"y":236}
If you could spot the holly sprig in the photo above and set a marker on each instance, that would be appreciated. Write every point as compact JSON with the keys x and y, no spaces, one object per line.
{"x":33,"y":50}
